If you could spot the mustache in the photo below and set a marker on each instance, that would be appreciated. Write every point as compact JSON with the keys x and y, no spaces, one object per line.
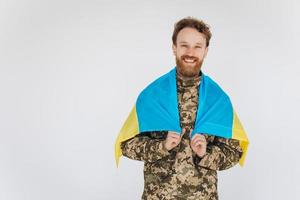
{"x":189,"y":57}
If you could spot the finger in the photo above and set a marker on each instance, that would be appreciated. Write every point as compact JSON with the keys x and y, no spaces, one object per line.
{"x":197,"y":141}
{"x":178,"y":141}
{"x":195,"y":138}
{"x":170,"y":136}
{"x":180,"y":134}
{"x":198,"y":136}
{"x":193,"y":144}
{"x":202,"y":137}
{"x":174,"y":140}
{"x":201,"y":142}
{"x":191,"y":131}
{"x":174,"y":143}
{"x":173,"y":134}
{"x":174,"y":137}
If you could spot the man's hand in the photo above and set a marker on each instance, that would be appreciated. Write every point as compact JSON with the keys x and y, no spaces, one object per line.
{"x":172,"y":140}
{"x":198,"y":145}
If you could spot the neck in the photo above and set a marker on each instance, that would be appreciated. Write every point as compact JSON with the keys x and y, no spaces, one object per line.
{"x":184,"y":81}
{"x":187,"y":77}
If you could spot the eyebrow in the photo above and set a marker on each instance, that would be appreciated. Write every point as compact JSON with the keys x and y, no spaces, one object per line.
{"x":199,"y":43}
{"x":184,"y":42}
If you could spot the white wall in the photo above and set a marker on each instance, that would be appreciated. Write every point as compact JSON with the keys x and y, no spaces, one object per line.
{"x":70,"y":72}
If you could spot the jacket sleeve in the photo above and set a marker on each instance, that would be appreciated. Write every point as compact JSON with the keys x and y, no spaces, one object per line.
{"x":145,"y":147}
{"x":221,"y":154}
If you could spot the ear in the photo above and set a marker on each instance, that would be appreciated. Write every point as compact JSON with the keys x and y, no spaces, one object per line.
{"x":174,"y":49}
{"x":206,"y":51}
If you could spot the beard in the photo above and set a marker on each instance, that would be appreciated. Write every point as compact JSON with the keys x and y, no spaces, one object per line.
{"x":188,"y":69}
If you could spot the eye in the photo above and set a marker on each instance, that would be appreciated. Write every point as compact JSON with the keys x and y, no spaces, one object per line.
{"x":183,"y":45}
{"x":198,"y":47}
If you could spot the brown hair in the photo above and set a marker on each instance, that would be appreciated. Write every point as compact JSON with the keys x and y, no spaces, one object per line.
{"x":191,"y":22}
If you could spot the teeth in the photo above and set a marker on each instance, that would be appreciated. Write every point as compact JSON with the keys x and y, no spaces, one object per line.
{"x":189,"y":60}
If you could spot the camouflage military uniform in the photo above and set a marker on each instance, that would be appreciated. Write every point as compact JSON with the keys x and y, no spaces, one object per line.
{"x":179,"y":173}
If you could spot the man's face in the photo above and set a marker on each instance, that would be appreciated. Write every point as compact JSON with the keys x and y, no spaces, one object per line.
{"x":190,"y":51}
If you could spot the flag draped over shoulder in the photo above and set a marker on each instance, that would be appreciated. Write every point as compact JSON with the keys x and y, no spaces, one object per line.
{"x":156,"y":109}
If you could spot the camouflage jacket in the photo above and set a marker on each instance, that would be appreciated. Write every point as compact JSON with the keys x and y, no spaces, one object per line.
{"x":179,"y":173}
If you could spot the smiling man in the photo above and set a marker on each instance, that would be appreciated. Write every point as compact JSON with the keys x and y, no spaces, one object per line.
{"x":183,"y":164}
{"x":190,"y":48}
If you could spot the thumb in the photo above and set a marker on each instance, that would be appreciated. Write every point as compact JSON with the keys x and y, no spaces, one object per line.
{"x":191,"y":133}
{"x":182,"y":132}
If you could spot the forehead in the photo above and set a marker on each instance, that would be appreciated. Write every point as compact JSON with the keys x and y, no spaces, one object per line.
{"x":190,"y":35}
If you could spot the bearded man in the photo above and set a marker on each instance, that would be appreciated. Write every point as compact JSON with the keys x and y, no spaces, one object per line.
{"x":183,"y":165}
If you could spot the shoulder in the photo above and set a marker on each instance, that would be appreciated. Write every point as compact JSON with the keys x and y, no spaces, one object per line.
{"x":160,"y":84}
{"x":213,"y":87}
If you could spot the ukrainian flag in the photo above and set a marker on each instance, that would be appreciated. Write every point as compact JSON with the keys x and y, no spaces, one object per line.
{"x":156,"y":109}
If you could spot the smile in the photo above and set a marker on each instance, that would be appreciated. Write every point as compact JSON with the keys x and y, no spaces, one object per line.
{"x":188,"y":60}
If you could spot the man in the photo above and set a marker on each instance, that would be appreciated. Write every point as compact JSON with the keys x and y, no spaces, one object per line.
{"x":181,"y":165}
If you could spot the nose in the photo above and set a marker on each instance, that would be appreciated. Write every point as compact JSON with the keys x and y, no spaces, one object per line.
{"x":189,"y":51}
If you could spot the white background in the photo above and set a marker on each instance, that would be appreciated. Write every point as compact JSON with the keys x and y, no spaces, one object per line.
{"x":70,"y":72}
